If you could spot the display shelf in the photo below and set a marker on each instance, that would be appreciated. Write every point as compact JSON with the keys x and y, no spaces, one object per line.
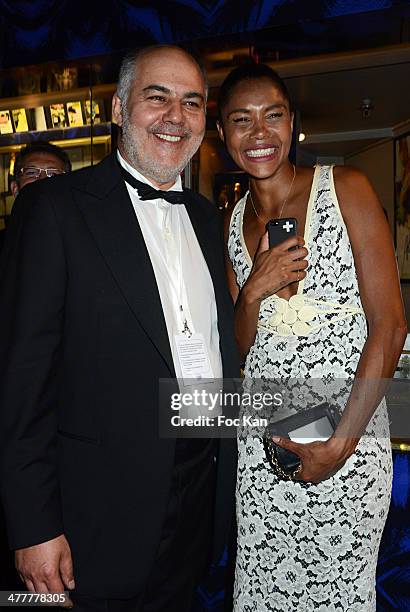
{"x":51,"y":97}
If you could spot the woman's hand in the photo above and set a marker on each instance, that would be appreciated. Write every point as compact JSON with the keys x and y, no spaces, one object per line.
{"x":319,"y":460}
{"x":275,"y":268}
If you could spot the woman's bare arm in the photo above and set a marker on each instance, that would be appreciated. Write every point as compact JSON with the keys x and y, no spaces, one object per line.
{"x":380,"y":294}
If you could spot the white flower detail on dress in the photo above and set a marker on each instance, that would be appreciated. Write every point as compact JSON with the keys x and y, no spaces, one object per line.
{"x":291,"y":317}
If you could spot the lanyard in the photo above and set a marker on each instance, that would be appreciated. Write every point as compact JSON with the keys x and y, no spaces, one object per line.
{"x":177,"y":286}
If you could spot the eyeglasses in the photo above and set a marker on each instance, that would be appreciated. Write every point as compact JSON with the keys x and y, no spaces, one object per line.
{"x":31,"y":172}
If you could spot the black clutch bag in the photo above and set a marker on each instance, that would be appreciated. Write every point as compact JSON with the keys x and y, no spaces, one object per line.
{"x":317,"y":423}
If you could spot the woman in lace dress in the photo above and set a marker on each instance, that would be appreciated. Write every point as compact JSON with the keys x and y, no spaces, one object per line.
{"x":331,"y":308}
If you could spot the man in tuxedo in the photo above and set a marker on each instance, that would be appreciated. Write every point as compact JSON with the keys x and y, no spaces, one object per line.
{"x":110,"y":272}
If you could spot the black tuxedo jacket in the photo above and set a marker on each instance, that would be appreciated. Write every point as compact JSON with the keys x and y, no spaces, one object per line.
{"x":83,"y":344}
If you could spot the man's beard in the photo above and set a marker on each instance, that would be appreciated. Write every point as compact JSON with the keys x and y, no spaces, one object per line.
{"x":150,"y":167}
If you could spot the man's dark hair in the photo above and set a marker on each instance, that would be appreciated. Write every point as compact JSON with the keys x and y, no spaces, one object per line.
{"x":249,"y":72}
{"x":40,"y":146}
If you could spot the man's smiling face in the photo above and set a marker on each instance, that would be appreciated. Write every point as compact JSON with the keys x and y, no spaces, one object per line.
{"x":163,"y":120}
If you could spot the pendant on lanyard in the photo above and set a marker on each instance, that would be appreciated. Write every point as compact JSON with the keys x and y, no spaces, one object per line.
{"x":185,"y":329}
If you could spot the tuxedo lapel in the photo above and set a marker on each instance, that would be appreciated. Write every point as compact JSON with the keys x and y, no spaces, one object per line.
{"x":108,"y":211}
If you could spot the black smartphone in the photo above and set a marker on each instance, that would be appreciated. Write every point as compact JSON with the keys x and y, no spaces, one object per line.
{"x":281,"y":229}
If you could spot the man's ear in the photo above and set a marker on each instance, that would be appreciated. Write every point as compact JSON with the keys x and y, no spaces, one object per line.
{"x":14,"y":188}
{"x":292,"y":116}
{"x":220,"y":129}
{"x":116,"y":110}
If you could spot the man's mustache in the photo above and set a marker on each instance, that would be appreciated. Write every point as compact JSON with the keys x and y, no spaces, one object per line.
{"x":171,"y":129}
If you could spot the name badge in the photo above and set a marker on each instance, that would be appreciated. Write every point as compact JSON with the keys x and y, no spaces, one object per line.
{"x":193,"y":358}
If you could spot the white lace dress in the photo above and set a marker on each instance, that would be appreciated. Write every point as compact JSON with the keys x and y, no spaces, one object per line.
{"x":305,"y":547}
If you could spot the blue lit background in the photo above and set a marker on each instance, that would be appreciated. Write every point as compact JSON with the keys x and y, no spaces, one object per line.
{"x":43,"y":30}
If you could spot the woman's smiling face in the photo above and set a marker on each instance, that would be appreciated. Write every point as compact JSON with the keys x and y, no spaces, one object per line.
{"x":257,"y":126}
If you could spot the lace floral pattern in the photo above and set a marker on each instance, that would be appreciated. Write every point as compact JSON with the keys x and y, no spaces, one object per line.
{"x":305,"y":547}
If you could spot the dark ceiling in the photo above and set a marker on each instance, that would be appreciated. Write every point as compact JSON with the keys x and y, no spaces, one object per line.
{"x":45,"y":30}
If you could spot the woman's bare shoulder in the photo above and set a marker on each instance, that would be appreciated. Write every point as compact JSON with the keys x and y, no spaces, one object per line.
{"x":354,"y":191}
{"x":349,"y":176}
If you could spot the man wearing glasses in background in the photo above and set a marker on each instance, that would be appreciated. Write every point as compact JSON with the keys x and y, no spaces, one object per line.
{"x":37,"y":161}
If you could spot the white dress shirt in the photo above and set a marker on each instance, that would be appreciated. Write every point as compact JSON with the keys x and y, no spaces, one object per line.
{"x":180,"y":270}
